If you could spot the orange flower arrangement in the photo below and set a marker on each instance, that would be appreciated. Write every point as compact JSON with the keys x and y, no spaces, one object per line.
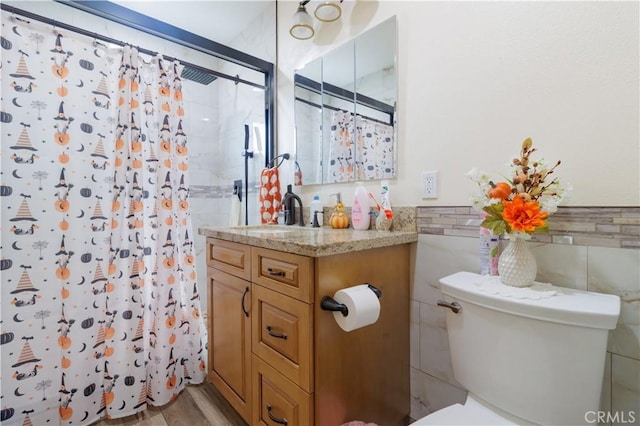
{"x":521,"y":204}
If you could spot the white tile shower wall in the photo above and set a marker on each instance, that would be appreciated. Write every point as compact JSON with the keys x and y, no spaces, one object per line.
{"x":601,"y":269}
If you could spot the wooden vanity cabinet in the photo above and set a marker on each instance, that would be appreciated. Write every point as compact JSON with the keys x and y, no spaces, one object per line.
{"x":229,"y":322}
{"x":304,"y":369}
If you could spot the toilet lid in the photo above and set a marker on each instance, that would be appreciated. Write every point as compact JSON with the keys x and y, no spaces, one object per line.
{"x":471,"y":413}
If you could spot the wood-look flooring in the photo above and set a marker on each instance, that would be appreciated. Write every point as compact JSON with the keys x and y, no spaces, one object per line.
{"x":197,"y":405}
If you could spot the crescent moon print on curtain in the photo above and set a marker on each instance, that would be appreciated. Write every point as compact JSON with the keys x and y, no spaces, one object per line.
{"x":99,"y":297}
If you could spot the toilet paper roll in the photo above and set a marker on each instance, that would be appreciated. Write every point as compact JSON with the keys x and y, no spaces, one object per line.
{"x":363,"y":305}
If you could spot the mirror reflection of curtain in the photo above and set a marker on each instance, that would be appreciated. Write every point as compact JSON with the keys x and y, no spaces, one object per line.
{"x":374,"y":149}
{"x":371,"y":156}
{"x":100,"y":307}
{"x":341,"y":149}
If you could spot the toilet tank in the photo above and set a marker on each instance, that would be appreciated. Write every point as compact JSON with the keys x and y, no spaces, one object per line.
{"x":539,"y":359}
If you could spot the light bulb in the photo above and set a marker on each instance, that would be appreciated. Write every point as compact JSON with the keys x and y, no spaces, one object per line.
{"x":302,"y":26}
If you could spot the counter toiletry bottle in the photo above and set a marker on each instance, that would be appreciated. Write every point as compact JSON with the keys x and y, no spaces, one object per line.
{"x":339,"y":219}
{"x":360,"y":211}
{"x":489,"y":252}
{"x":316,"y":210}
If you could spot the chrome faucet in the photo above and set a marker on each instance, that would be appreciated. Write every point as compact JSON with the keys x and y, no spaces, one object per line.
{"x":288,"y":202}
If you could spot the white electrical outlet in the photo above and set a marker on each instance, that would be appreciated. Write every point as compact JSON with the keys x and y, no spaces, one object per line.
{"x":430,"y":184}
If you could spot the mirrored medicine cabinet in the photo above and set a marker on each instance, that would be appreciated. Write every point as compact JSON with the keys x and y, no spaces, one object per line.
{"x":345,"y":110}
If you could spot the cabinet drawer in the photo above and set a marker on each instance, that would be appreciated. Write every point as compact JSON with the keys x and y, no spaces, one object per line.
{"x":277,"y":400}
{"x":232,"y":258}
{"x":281,"y":333}
{"x":285,"y":273}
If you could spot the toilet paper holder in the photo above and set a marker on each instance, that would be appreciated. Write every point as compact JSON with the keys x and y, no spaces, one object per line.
{"x":328,"y":303}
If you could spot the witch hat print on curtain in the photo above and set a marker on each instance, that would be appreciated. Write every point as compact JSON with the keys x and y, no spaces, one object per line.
{"x":93,"y":183}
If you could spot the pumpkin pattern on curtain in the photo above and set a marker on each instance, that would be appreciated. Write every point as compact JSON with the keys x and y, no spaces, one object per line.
{"x":100,"y":306}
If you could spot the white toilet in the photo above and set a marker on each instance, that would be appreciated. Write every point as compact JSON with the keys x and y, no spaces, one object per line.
{"x":525,"y":361}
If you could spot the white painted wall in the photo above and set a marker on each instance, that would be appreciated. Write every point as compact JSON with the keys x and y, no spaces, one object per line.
{"x":477,"y":78}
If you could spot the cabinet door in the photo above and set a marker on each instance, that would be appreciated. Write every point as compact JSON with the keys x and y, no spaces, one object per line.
{"x":230,"y":339}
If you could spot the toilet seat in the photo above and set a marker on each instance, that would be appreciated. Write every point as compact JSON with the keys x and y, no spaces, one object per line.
{"x":471,"y":413}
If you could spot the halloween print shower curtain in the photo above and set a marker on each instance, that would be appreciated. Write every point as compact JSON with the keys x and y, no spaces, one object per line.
{"x":100,"y":312}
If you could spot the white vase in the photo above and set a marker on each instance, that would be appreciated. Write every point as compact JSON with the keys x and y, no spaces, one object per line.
{"x":517,"y":267}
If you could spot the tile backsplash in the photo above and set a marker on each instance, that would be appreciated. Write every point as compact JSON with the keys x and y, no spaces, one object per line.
{"x":587,"y":248}
{"x":616,"y":227}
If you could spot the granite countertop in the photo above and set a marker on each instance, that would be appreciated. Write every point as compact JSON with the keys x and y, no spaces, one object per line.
{"x":307,"y":241}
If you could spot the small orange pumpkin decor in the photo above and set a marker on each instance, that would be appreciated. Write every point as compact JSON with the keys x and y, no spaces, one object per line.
{"x":64,"y":225}
{"x":63,"y":158}
{"x":62,"y":91}
{"x":64,"y":292}
{"x":339,"y":219}
{"x":109,"y":397}
{"x":500,"y":190}
{"x":172,"y":338}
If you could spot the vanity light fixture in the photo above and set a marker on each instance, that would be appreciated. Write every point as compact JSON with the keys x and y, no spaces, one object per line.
{"x":302,"y":26}
{"x":328,"y":11}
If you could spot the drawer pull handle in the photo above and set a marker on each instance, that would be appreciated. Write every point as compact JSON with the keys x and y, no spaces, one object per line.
{"x":275,"y":273}
{"x":274,"y":418}
{"x":246,"y":313}
{"x":275,"y":334}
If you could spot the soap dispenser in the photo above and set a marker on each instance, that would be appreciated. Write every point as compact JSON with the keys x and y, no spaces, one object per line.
{"x":339,"y":219}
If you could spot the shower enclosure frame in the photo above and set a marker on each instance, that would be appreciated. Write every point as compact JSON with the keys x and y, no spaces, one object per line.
{"x":155,"y":27}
